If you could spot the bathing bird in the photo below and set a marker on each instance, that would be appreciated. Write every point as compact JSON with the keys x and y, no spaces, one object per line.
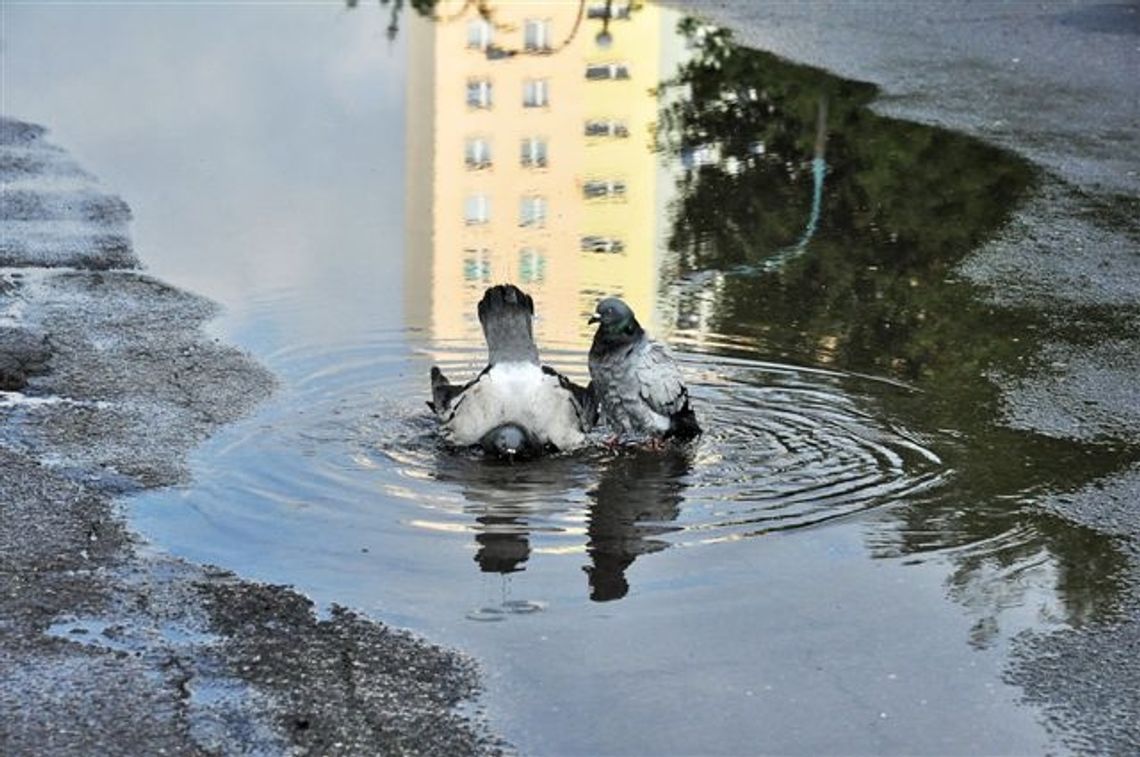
{"x":516,"y":407}
{"x":635,"y":380}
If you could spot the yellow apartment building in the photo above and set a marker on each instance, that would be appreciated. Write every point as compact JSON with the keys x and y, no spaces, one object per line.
{"x":529,"y":147}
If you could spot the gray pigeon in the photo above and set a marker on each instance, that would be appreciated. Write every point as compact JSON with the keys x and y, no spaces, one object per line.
{"x":636,"y":383}
{"x":515,"y":406}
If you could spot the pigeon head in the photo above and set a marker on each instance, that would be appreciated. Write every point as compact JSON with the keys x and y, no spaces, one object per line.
{"x":615,"y":319}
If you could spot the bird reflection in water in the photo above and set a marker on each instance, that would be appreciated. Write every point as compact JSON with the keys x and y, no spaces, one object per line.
{"x":633,"y":499}
{"x":504,"y":543}
{"x":509,"y":502}
{"x":634,"y":503}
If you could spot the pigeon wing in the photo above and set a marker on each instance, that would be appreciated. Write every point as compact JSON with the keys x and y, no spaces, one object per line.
{"x":582,"y":399}
{"x":659,"y":379}
{"x":444,"y":393}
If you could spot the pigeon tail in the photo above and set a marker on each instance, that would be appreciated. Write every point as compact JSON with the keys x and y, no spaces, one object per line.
{"x":683,"y":424}
{"x":506,"y":314}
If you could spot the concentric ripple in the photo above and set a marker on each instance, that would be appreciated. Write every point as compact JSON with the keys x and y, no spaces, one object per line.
{"x":789,"y":448}
{"x":347,"y":459}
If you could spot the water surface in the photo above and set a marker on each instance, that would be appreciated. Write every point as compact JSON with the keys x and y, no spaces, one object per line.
{"x":837,"y":565}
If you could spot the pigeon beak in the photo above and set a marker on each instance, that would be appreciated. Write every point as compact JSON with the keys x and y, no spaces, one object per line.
{"x":595,"y":319}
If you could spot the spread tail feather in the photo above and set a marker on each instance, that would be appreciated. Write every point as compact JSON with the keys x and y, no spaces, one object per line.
{"x":506,"y":313}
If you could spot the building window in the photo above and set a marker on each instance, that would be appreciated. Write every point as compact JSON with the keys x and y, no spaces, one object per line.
{"x":532,"y":265}
{"x":477,"y":153}
{"x":532,"y":211}
{"x":479,"y":93}
{"x":477,"y":264}
{"x":603,"y":71}
{"x":533,"y":152}
{"x":536,"y":36}
{"x":602,"y":244}
{"x":604,"y":128}
{"x":608,"y":10}
{"x":477,"y":210}
{"x":594,"y":190}
{"x":536,"y":93}
{"x":479,"y":34}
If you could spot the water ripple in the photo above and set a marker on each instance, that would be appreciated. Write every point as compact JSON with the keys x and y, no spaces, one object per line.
{"x":351,"y":446}
{"x":784,"y":448}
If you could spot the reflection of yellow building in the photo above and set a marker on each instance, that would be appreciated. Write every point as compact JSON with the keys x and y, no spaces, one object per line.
{"x":529,"y":138}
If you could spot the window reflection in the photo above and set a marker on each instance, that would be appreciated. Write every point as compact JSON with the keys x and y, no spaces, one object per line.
{"x":533,"y":152}
{"x":536,"y":36}
{"x":532,"y":265}
{"x":594,"y":190}
{"x":477,"y":265}
{"x":606,"y":128}
{"x":479,"y":93}
{"x":477,"y":153}
{"x":532,"y":211}
{"x":601,"y":71}
{"x":536,"y":93}
{"x":477,"y":210}
{"x":479,"y":34}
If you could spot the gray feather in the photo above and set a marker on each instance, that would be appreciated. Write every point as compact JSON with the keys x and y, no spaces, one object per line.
{"x":515,"y":406}
{"x":637,"y":384}
{"x":506,"y":314}
{"x":443,"y":392}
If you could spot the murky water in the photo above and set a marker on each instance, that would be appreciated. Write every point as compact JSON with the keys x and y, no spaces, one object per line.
{"x":837,"y":565}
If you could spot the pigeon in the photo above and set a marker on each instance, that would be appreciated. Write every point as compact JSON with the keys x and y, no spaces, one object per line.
{"x":516,"y":407}
{"x":634,"y":379}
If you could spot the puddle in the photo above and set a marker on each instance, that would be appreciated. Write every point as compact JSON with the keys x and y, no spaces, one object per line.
{"x":837,"y":565}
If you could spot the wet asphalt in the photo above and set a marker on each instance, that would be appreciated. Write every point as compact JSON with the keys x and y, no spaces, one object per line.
{"x":108,"y":647}
{"x":1058,"y":83}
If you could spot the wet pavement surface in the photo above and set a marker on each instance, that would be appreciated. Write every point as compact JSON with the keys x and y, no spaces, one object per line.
{"x":1017,"y":495}
{"x":1055,"y":83}
{"x":107,"y":646}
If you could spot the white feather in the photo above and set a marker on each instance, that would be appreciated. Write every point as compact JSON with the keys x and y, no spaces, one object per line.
{"x":516,"y":393}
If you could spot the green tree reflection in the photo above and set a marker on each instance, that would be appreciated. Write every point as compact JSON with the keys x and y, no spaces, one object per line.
{"x":875,"y":291}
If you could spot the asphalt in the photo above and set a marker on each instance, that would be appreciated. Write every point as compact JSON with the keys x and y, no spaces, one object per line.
{"x":1057,"y":83}
{"x":107,"y":646}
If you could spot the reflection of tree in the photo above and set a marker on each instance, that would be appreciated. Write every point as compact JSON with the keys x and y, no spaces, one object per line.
{"x":875,"y":292}
{"x":436,"y":10}
{"x":904,"y":204}
{"x":422,"y":7}
{"x":1003,"y":556}
{"x":637,"y":497}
